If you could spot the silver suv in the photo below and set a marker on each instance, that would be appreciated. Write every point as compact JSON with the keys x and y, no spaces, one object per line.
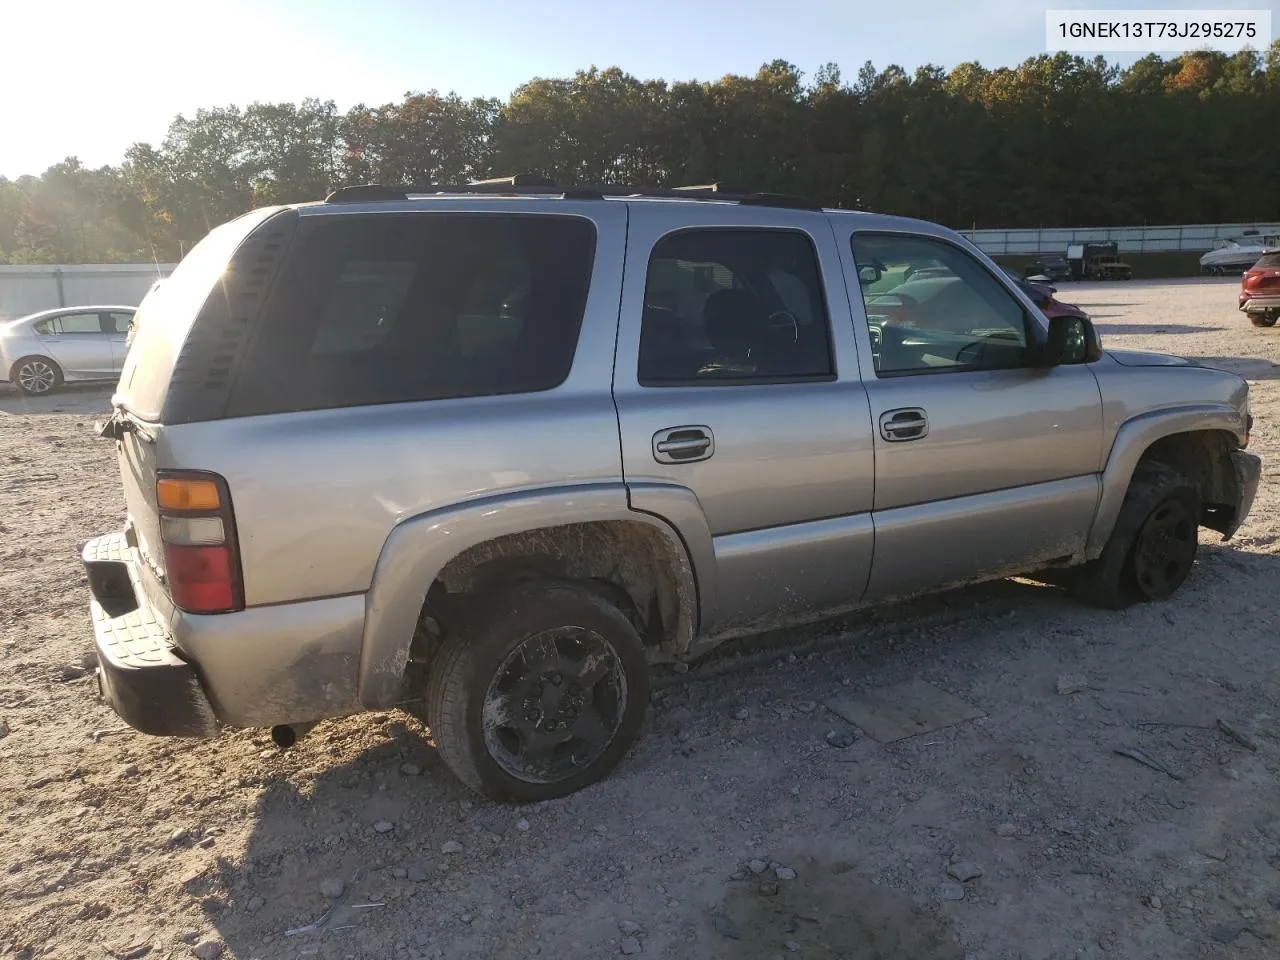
{"x":488,"y":452}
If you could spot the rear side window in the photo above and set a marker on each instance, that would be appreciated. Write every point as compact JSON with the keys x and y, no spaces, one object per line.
{"x":725,"y":307}
{"x":70,"y":323}
{"x":391,"y":309}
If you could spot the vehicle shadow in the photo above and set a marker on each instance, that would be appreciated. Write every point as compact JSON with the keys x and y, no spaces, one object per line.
{"x":74,"y":398}
{"x":365,"y":859}
{"x":316,"y":857}
{"x":1147,"y":329}
{"x":363,"y":843}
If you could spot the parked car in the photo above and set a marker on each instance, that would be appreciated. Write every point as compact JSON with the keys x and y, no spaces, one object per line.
{"x":42,"y":351}
{"x":132,"y":332}
{"x":1260,"y":290}
{"x":1056,"y":269}
{"x":1042,"y":295}
{"x":488,"y":452}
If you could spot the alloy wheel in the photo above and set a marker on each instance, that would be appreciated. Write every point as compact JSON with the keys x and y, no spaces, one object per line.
{"x":37,"y":376}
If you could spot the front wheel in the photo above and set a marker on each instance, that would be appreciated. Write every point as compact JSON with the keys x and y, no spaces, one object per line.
{"x":539,"y":692}
{"x":36,"y":375}
{"x":1266,"y":318}
{"x":1153,"y":545}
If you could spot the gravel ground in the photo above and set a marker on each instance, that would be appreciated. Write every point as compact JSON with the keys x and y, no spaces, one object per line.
{"x":1022,"y":834}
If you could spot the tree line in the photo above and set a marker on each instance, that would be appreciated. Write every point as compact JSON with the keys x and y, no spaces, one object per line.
{"x":1057,"y":141}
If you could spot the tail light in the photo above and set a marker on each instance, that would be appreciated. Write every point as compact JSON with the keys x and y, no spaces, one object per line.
{"x":197,"y":526}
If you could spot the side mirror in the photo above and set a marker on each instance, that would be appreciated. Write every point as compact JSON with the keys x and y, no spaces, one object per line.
{"x":868,"y":274}
{"x":1072,"y":340}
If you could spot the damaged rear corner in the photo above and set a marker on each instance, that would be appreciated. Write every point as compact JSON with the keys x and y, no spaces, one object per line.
{"x":140,"y":673}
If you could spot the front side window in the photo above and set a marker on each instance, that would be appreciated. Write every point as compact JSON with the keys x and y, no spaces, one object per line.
{"x":734,"y":306}
{"x":932,"y":308}
{"x":391,"y":309}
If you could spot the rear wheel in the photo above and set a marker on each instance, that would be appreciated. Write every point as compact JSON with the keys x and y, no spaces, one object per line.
{"x":539,"y":692}
{"x":36,"y":375}
{"x":1265,"y":318}
{"x":1153,"y":546}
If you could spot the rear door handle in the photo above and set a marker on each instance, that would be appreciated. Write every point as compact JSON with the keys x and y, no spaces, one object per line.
{"x":907,"y":423}
{"x":683,"y":444}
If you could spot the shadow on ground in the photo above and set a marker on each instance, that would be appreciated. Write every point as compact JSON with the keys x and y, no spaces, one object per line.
{"x":369,"y":808}
{"x":73,"y":398}
{"x":511,"y":894}
{"x":563,"y":885}
{"x":829,"y":911}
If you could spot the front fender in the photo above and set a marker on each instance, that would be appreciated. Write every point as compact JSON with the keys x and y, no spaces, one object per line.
{"x":1134,"y":438}
{"x":419,"y":549}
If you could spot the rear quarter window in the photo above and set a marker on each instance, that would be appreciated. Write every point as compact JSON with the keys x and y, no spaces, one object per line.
{"x":390,"y":308}
{"x":168,"y":311}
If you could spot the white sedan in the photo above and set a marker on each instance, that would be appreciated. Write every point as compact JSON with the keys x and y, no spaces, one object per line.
{"x":42,"y":351}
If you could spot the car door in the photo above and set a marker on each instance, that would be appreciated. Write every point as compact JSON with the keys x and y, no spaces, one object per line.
{"x":79,"y":344}
{"x":987,"y":464}
{"x":737,"y":384}
{"x":116,"y":323}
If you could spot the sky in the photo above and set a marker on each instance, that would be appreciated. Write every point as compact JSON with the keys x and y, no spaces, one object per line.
{"x":87,"y":78}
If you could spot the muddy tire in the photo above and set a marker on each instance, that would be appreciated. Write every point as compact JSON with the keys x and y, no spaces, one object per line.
{"x":538,"y":692}
{"x":1153,"y":545}
{"x":1266,"y":318}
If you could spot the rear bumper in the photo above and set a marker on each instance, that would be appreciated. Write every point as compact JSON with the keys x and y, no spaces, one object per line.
{"x":140,"y":673}
{"x":170,"y":673}
{"x":1260,"y":304}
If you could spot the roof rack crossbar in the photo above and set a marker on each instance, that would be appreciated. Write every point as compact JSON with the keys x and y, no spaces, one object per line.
{"x":518,"y":180}
{"x":528,"y":185}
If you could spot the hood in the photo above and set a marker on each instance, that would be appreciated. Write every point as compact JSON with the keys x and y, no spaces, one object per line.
{"x":1141,"y":358}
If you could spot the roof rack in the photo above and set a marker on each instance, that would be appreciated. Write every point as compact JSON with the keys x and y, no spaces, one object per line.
{"x":526,"y":184}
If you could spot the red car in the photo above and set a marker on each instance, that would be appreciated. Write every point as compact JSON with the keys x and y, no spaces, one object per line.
{"x":1042,"y":295}
{"x":1260,"y":291}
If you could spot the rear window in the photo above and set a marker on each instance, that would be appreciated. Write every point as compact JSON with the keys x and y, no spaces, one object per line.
{"x":1269,"y":260}
{"x":169,"y":309}
{"x":390,"y":309}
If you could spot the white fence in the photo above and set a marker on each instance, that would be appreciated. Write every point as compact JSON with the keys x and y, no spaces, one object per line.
{"x":1191,"y":238}
{"x":29,"y":288}
{"x":26,"y":289}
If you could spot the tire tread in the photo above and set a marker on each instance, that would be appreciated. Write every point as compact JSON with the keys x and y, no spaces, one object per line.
{"x":1104,"y":582}
{"x":482,"y":636}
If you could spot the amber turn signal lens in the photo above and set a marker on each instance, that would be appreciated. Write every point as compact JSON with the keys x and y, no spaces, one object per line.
{"x":175,"y":493}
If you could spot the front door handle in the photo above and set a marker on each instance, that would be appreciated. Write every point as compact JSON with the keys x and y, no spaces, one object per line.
{"x":907,"y":423}
{"x":683,"y":444}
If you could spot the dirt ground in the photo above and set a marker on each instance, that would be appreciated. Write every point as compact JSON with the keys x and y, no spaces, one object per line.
{"x":118,"y":845}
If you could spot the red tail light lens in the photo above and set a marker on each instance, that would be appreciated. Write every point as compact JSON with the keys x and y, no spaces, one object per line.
{"x":202,"y":557}
{"x":200,"y":578}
